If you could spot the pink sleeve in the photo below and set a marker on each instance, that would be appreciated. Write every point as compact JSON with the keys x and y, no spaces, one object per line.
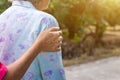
{"x":3,"y":70}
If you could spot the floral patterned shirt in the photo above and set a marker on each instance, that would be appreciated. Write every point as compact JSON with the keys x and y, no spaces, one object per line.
{"x":20,"y":25}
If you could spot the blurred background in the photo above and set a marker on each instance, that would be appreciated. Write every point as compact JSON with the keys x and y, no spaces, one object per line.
{"x":91,"y":28}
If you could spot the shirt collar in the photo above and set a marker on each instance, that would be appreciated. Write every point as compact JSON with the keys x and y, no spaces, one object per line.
{"x":26,"y":4}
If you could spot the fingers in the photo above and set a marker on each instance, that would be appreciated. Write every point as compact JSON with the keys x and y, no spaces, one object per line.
{"x":60,"y":39}
{"x":60,"y":33}
{"x":59,"y":43}
{"x":58,"y":48}
{"x":54,"y":29}
{"x":53,"y":39}
{"x":56,"y":45}
{"x":56,"y":33}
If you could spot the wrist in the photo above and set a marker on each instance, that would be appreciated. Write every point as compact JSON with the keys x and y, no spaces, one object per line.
{"x":36,"y":47}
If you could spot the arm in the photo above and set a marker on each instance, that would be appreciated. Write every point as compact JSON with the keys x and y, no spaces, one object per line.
{"x":17,"y":69}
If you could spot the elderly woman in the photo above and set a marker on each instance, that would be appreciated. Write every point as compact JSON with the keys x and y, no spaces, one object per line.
{"x":19,"y":27}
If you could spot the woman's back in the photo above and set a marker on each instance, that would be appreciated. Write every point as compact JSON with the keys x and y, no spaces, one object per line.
{"x":19,"y":27}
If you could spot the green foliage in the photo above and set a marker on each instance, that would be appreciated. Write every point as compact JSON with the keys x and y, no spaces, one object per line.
{"x":77,"y":15}
{"x":3,"y":5}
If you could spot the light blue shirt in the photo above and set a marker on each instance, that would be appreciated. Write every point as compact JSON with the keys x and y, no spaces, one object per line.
{"x":19,"y":27}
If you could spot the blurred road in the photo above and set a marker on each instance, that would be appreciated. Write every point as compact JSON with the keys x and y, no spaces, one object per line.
{"x":106,"y":69}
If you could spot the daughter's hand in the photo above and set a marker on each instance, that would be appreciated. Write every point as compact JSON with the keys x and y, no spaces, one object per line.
{"x":49,"y":40}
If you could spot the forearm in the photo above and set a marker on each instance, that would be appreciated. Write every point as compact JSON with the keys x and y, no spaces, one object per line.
{"x":17,"y":69}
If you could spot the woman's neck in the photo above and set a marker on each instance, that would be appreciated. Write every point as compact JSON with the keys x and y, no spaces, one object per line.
{"x":35,"y":3}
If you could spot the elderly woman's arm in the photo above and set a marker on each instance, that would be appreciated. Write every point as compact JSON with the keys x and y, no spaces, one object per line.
{"x":17,"y":69}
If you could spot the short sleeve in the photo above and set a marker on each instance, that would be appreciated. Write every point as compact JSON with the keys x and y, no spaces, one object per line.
{"x":47,"y":22}
{"x":44,"y":21}
{"x":3,"y":71}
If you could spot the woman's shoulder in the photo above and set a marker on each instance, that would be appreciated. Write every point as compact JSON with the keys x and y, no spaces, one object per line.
{"x":44,"y":16}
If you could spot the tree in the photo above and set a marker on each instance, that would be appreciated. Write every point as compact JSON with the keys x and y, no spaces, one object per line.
{"x":76,"y":16}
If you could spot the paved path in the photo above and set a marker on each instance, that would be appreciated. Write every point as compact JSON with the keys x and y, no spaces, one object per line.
{"x":107,"y":69}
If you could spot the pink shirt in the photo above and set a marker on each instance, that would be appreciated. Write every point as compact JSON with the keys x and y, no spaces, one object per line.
{"x":3,"y":70}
